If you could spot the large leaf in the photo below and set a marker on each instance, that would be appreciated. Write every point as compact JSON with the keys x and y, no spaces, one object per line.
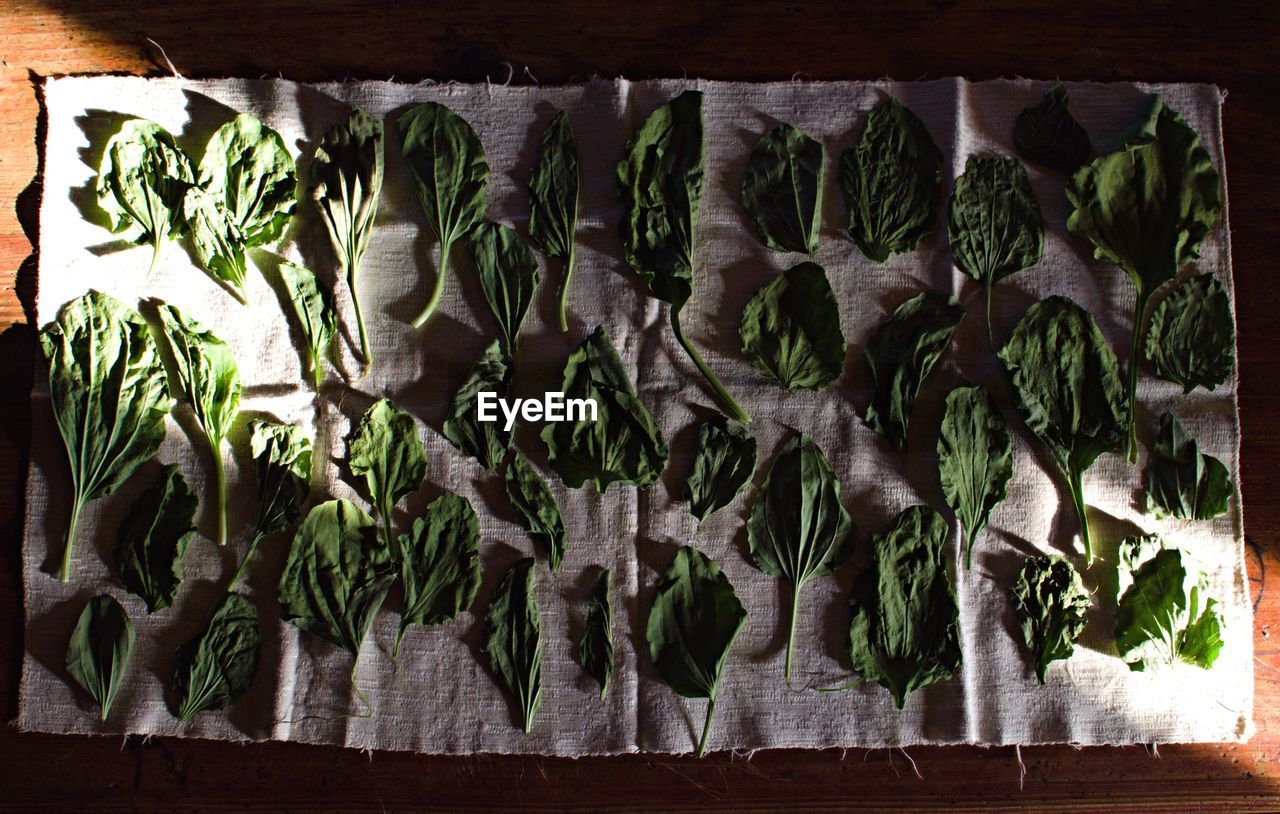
{"x":282,"y":457}
{"x":532,"y":499}
{"x":508,"y":274}
{"x":782,"y":192}
{"x":1068,"y":385}
{"x":623,"y":444}
{"x":900,"y":354}
{"x":313,"y":307}
{"x":386,"y":451}
{"x":214,"y":670}
{"x":723,"y":460}
{"x":798,"y":530}
{"x":595,"y":648}
{"x":1048,"y":134}
{"x":154,"y":537}
{"x":1049,"y":603}
{"x":109,"y":395}
{"x":903,"y":631}
{"x":1183,"y":482}
{"x":486,"y":441}
{"x":1164,"y":615}
{"x":975,"y":460}
{"x":513,"y":639}
{"x":553,"y":197}
{"x":446,"y":164}
{"x":98,"y":653}
{"x":1192,"y":340}
{"x":248,"y":168}
{"x":218,"y":243}
{"x":791,"y":330}
{"x":892,"y":182}
{"x":695,"y":618}
{"x":439,"y":564}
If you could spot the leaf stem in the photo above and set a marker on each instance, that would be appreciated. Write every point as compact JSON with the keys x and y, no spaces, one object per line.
{"x":438,"y":290}
{"x":562,"y":303}
{"x":791,"y":630}
{"x":155,"y":256}
{"x":1140,"y":310}
{"x":244,"y":561}
{"x":64,"y":573}
{"x":721,"y":394}
{"x":1077,"y":497}
{"x":706,"y":726}
{"x":220,"y":482}
{"x":988,"y":285}
{"x":365,"y":356}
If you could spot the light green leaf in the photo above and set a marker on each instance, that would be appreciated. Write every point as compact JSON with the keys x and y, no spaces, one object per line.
{"x":782,"y":192}
{"x":248,"y":168}
{"x":723,"y":460}
{"x":975,"y":460}
{"x":595,"y":648}
{"x":486,"y":441}
{"x":1048,"y":134}
{"x":317,"y":319}
{"x":539,"y":515}
{"x":216,"y":239}
{"x":215,"y":669}
{"x":553,"y":195}
{"x":1183,"y":482}
{"x":439,"y":564}
{"x":99,"y":650}
{"x":1164,"y":615}
{"x":1050,"y":603}
{"x":791,"y":330}
{"x":282,"y":457}
{"x":513,"y":641}
{"x":387,"y":452}
{"x":508,"y":274}
{"x":154,"y":537}
{"x":1192,"y":340}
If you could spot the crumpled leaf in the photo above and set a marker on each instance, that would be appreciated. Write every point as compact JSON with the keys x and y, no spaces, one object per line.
{"x":1164,"y":615}
{"x":791,"y":330}
{"x":386,"y":451}
{"x":1048,"y":134}
{"x":539,"y":515}
{"x":282,"y":457}
{"x":218,"y":242}
{"x":782,"y":192}
{"x":623,"y":444}
{"x":595,"y":648}
{"x":109,"y":394}
{"x":1050,"y":603}
{"x":798,"y":530}
{"x":99,"y":650}
{"x":154,"y":537}
{"x":513,"y":641}
{"x":695,"y":618}
{"x":508,"y":274}
{"x":439,"y":564}
{"x":1183,"y":482}
{"x":553,"y":196}
{"x":1068,"y":385}
{"x":723,"y":460}
{"x":486,"y":441}
{"x":1192,"y":340}
{"x":903,"y":631}
{"x":892,"y":182}
{"x":900,"y":354}
{"x":215,"y":669}
{"x":248,"y":168}
{"x":975,"y":461}
{"x":317,"y":319}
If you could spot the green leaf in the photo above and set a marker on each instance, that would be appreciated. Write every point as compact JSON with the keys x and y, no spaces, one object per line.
{"x":439,"y":564}
{"x":1192,"y":340}
{"x":508,"y":274}
{"x":791,"y":330}
{"x":486,"y":441}
{"x":109,"y":396}
{"x":595,"y":649}
{"x":248,"y":168}
{"x":536,"y":506}
{"x":1068,"y":384}
{"x":782,"y":192}
{"x":1182,"y":482}
{"x":205,"y":372}
{"x":996,"y":228}
{"x":1050,"y":603}
{"x":98,"y":653}
{"x":346,"y":182}
{"x":900,"y":354}
{"x":723,"y":460}
{"x":623,"y":444}
{"x":553,"y":197}
{"x":798,"y":530}
{"x":141,"y":183}
{"x":696,"y":617}
{"x":892,"y":182}
{"x":513,"y":642}
{"x":215,"y":669}
{"x":1048,"y":134}
{"x":217,"y":241}
{"x":446,"y":164}
{"x":1147,"y":207}
{"x":975,"y":460}
{"x":903,"y":631}
{"x":154,"y":537}
{"x":386,"y":451}
{"x":317,"y":319}
{"x":337,"y":575}
{"x":282,"y":458}
{"x":1164,"y":615}
{"x":660,"y":186}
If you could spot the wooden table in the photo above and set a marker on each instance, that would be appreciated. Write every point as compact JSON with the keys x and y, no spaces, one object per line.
{"x":1235,"y":45}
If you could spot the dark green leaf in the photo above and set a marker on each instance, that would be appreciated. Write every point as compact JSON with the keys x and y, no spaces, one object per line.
{"x":696,"y":617}
{"x":536,"y":506}
{"x":903,"y":631}
{"x":1192,"y":340}
{"x":508,"y":274}
{"x":892,"y":181}
{"x":109,"y":396}
{"x":595,"y":650}
{"x":1183,"y":482}
{"x":1048,"y":134}
{"x":313,"y":307}
{"x":486,"y":441}
{"x":218,"y":242}
{"x":248,"y":168}
{"x":723,"y":460}
{"x":513,"y":640}
{"x":900,"y":354}
{"x":154,"y":537}
{"x":386,"y":451}
{"x":282,"y":464}
{"x":98,"y":653}
{"x":975,"y":460}
{"x":1164,"y":615}
{"x":214,"y":670}
{"x":798,"y":530}
{"x":1050,"y":603}
{"x":783,"y":190}
{"x":440,"y":564}
{"x":791,"y":330}
{"x":553,"y":195}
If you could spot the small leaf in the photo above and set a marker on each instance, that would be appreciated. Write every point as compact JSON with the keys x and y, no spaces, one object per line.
{"x":1047,"y":134}
{"x":386,"y":451}
{"x":282,"y":463}
{"x":486,"y":441}
{"x":553,"y":195}
{"x":508,"y":274}
{"x":791,"y":330}
{"x":975,"y":460}
{"x":1164,"y":615}
{"x":1181,"y":481}
{"x":1192,"y":340}
{"x":595,"y":649}
{"x":218,"y":242}
{"x":1050,"y":603}
{"x":724,"y":458}
{"x":154,"y":537}
{"x":536,"y":506}
{"x":513,"y":642}
{"x":317,"y":319}
{"x":782,"y":192}
{"x":440,"y":564}
{"x":248,"y":168}
{"x":98,"y":653}
{"x":215,"y":669}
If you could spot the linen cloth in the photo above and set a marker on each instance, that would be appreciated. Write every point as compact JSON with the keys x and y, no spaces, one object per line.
{"x":441,"y":698}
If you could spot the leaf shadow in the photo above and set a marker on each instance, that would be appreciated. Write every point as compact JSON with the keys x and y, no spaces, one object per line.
{"x":98,"y":126}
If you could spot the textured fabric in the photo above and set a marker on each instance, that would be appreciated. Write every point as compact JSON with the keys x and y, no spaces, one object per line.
{"x":441,"y":698}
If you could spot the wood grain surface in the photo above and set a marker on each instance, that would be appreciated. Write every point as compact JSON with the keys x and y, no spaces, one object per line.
{"x":1233,"y":44}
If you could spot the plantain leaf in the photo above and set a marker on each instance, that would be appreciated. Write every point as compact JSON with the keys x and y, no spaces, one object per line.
{"x":439,"y":564}
{"x":99,"y":650}
{"x":508,"y":274}
{"x":1047,"y":134}
{"x":724,"y":458}
{"x":154,"y":537}
{"x":791,"y":330}
{"x":486,"y":441}
{"x":1192,"y":340}
{"x":218,"y":242}
{"x":975,"y":460}
{"x":282,"y":462}
{"x":553,"y":195}
{"x":247,"y":167}
{"x":595,"y":649}
{"x":1181,"y":481}
{"x":1050,"y":603}
{"x":215,"y":669}
{"x":1164,"y":615}
{"x":782,"y":192}
{"x":513,"y":642}
{"x":386,"y":451}
{"x":536,"y":506}
{"x":317,"y":319}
